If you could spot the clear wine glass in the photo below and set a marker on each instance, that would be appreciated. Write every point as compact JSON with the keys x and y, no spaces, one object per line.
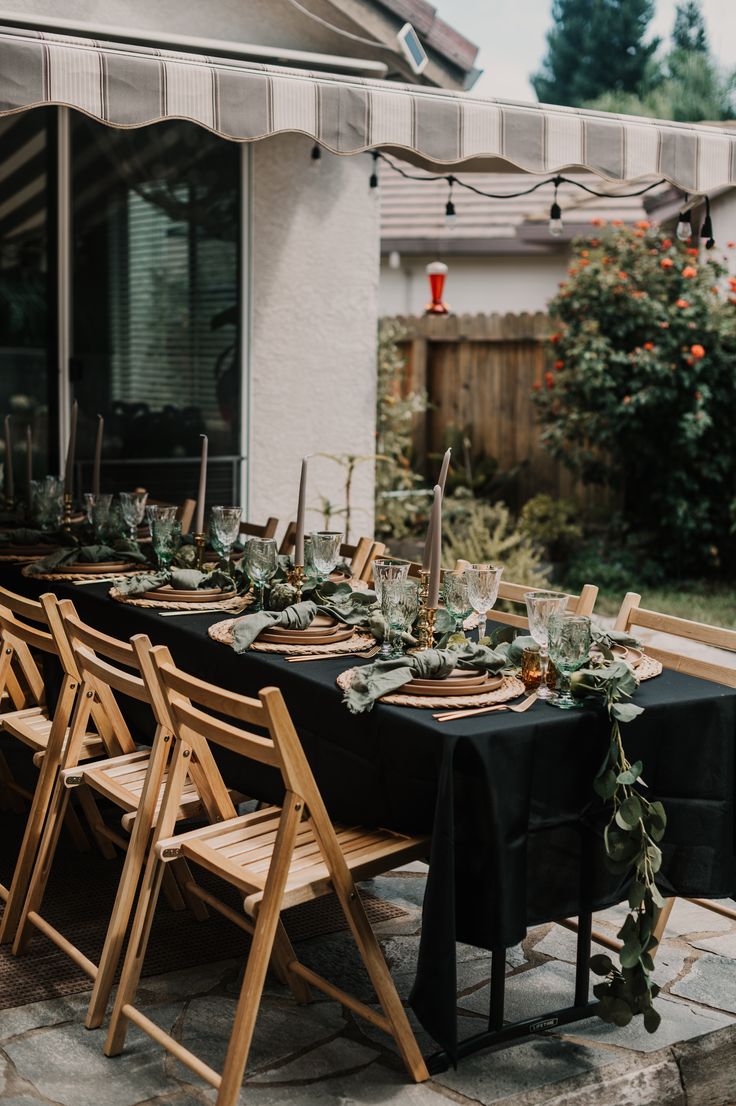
{"x":325,"y":551}
{"x":540,"y":607}
{"x":261,"y":563}
{"x":159,"y":510}
{"x":569,"y":648}
{"x":457,"y":601}
{"x":166,"y":539}
{"x":133,"y":505}
{"x":386,"y":570}
{"x":102,"y":501}
{"x":400,"y":607}
{"x":226,"y":528}
{"x":483,"y":583}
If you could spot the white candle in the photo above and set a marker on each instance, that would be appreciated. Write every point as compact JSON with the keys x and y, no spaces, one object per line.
{"x":71,"y":446}
{"x":8,"y":484}
{"x":202,"y":490}
{"x":301,"y":509}
{"x":98,"y":456}
{"x":435,"y":557}
{"x":29,"y":459}
{"x":441,"y":483}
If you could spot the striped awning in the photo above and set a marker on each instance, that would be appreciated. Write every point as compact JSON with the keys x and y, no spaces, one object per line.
{"x":134,"y":86}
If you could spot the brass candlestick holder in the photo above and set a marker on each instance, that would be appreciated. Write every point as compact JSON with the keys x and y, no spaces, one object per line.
{"x":199,"y":541}
{"x":426,"y":616}
{"x":296,"y":579}
{"x":66,"y":521}
{"x":9,"y":504}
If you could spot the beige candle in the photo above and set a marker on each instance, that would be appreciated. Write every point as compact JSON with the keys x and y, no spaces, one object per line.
{"x":202,"y":490}
{"x":98,"y":456}
{"x":8,"y":482}
{"x":71,"y":447}
{"x":441,"y":482}
{"x":301,"y":510}
{"x":443,"y":471}
{"x":435,"y":557}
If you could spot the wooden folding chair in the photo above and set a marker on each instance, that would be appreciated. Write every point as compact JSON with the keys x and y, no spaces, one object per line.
{"x":276,"y":857}
{"x":253,"y":530}
{"x":360,"y":556}
{"x":185,"y":514}
{"x":24,"y":641}
{"x":131,"y":779}
{"x":582,"y":604}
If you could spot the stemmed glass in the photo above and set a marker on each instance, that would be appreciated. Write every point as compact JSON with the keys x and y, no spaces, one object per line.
{"x":166,"y":539}
{"x":400,"y":607}
{"x":540,"y":607}
{"x":226,"y":528}
{"x":325,"y":551}
{"x":101,"y":502}
{"x":569,"y":648}
{"x":385,"y":571}
{"x":159,"y":510}
{"x":483,"y":583}
{"x":457,"y":601}
{"x":261,"y":563}
{"x":133,"y":505}
{"x":47,"y":501}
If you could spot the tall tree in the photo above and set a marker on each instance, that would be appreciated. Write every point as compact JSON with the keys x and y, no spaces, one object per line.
{"x":689,"y":33}
{"x":593,"y":47}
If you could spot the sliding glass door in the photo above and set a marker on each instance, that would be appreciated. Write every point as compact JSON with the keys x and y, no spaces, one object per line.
{"x":155,"y":232}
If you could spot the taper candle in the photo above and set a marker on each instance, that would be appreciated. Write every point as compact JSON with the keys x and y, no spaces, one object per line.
{"x":98,"y":456}
{"x":202,"y":490}
{"x":70,"y":449}
{"x":444,"y":470}
{"x":441,"y":481}
{"x":8,"y":481}
{"x":435,"y":557}
{"x":29,"y":459}
{"x":301,"y":509}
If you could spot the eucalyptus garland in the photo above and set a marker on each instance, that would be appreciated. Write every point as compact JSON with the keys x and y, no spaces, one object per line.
{"x":631,"y":840}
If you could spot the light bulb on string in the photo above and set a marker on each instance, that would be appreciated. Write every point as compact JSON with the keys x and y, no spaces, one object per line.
{"x":373,"y":182}
{"x":450,"y":213}
{"x":556,"y":226}
{"x":316,"y":156}
{"x":684,"y":229}
{"x":706,"y":231}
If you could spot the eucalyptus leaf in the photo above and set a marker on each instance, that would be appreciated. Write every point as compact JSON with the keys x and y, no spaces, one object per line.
{"x":629,"y":813}
{"x":600,"y":964}
{"x":626,"y":712}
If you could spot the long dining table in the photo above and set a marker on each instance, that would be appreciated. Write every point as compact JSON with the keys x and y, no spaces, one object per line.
{"x":516,"y":829}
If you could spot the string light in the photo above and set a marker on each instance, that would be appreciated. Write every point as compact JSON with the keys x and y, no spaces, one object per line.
{"x":316,"y":155}
{"x":450,"y":213}
{"x":556,"y":226}
{"x":684,"y":226}
{"x":706,"y":231}
{"x":374,"y":173}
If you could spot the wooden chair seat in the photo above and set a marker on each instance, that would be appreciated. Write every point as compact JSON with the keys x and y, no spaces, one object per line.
{"x":121,"y":779}
{"x":241,"y":851}
{"x":32,"y":726}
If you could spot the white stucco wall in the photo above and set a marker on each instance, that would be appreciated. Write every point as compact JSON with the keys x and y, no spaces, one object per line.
{"x":723,"y":210}
{"x":474,"y":285}
{"x":315,"y":242}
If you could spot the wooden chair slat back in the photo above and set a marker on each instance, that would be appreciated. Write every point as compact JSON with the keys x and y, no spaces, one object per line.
{"x":185,"y":514}
{"x":81,"y":633}
{"x":265,"y":531}
{"x":31,"y":636}
{"x":288,"y":541}
{"x":632,"y":615}
{"x":581,"y":604}
{"x":20,"y":605}
{"x":185,"y":697}
{"x":123,"y":682}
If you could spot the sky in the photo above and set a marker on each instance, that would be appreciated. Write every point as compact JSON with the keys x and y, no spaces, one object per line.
{"x":511,"y":37}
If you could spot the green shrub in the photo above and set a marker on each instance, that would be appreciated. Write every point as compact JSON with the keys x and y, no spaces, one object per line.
{"x":552,"y":525}
{"x":481,"y":532}
{"x":642,"y":389}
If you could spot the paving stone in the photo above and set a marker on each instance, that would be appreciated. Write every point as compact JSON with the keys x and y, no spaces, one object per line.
{"x":338,"y":960}
{"x":282,"y":1030}
{"x":185,"y":983}
{"x":466,"y":1027}
{"x":66,"y":1064}
{"x":706,"y":1068}
{"x":686,"y":917}
{"x":5,"y":1070}
{"x":333,"y":1058}
{"x":712,"y":981}
{"x":404,"y":891}
{"x":529,"y":994}
{"x":723,"y":946}
{"x":680,"y":1022}
{"x":656,"y":1084}
{"x":36,"y":1014}
{"x":375,"y":1085}
{"x":561,"y":944}
{"x":491,"y":1077}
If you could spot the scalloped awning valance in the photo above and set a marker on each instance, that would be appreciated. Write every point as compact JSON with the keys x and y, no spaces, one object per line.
{"x":134,"y":86}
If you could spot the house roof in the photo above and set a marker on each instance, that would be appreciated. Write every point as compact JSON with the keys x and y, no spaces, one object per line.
{"x":413,"y":214}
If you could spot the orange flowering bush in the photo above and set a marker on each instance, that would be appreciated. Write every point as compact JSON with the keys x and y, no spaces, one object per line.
{"x":644,"y":390}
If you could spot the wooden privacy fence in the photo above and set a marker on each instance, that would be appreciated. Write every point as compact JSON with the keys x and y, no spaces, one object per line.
{"x":479,"y":372}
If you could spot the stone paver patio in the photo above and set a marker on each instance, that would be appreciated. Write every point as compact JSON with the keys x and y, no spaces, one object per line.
{"x":320,"y":1055}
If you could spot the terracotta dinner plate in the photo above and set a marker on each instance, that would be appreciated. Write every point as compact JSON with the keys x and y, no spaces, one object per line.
{"x":323,"y":631}
{"x":633,"y":657}
{"x":97,"y":569}
{"x":188,"y":595}
{"x":451,"y":689}
{"x":459,"y":677}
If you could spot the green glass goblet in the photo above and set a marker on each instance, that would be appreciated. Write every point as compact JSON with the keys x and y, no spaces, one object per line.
{"x":569,"y":650}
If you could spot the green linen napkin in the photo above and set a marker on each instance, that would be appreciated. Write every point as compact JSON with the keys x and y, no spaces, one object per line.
{"x":182,"y":579}
{"x":385,"y":676}
{"x":247,"y":628}
{"x":26,"y":535}
{"x":87,"y":554}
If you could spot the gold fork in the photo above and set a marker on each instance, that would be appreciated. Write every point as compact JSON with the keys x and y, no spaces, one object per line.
{"x":518,"y":708}
{"x":334,"y":656}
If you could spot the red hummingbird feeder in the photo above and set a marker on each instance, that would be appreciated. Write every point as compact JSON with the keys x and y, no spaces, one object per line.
{"x":437,"y":273}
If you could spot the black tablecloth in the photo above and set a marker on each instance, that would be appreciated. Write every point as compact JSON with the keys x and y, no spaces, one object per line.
{"x":507,"y":798}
